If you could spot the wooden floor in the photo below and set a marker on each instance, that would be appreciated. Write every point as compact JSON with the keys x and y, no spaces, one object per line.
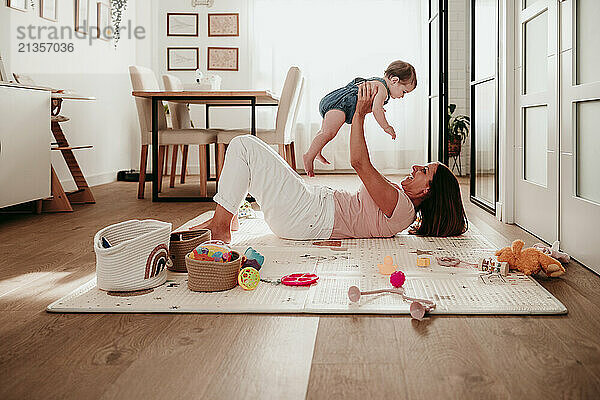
{"x":158,"y":356}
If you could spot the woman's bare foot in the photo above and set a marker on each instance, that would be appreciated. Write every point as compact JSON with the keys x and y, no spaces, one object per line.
{"x":218,"y":232}
{"x":308,"y":164}
{"x":203,"y":225}
{"x":235,"y":223}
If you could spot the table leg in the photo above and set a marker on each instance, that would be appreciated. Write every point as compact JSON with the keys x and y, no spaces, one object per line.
{"x":155,"y":144}
{"x":253,"y":104}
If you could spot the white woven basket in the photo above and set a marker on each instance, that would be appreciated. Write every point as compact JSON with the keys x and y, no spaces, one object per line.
{"x":137,"y":257}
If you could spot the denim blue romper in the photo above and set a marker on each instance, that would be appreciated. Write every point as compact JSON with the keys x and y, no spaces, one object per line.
{"x":345,"y":98}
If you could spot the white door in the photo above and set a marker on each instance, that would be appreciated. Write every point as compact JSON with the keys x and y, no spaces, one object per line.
{"x":580,"y":130}
{"x":536,"y":119}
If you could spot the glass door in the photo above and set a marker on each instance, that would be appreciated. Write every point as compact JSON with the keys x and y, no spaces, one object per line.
{"x":484,"y":103}
{"x":580,"y":141}
{"x":438,"y":79}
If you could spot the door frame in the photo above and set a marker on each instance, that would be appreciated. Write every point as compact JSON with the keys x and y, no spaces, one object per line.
{"x":442,"y":80}
{"x":472,"y":85}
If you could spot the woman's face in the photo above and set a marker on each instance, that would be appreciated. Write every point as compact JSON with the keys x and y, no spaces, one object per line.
{"x":416,"y":185}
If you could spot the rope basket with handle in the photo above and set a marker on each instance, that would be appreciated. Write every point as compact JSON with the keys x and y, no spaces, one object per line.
{"x":181,"y":244}
{"x":136,"y":258}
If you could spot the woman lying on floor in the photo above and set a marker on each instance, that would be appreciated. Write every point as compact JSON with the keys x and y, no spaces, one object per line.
{"x":296,"y":210}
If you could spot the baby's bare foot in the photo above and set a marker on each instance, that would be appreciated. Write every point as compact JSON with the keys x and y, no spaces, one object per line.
{"x":322,"y":159}
{"x":308,"y":164}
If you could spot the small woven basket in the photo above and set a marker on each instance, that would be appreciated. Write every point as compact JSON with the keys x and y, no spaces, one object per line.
{"x":210,"y":276}
{"x":181,"y":244}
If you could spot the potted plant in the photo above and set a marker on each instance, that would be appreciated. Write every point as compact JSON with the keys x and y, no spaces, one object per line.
{"x":458,"y":130}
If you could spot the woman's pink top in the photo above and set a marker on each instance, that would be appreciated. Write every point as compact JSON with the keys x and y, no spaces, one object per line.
{"x":357,"y":215}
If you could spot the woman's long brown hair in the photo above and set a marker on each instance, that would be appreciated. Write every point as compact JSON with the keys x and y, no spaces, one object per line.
{"x":442,"y":213}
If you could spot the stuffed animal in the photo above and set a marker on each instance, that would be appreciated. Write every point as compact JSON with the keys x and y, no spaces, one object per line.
{"x":530,"y":260}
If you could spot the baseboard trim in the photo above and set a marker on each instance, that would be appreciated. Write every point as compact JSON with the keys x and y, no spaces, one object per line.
{"x":92,"y":180}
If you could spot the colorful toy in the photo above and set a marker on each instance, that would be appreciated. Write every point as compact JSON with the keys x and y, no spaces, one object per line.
{"x":530,"y":260}
{"x":248,"y":278}
{"x":253,"y":258}
{"x":246,"y":210}
{"x":397,"y":279}
{"x":213,"y":250}
{"x":299,"y":279}
{"x":388,"y":267}
{"x":493,"y":266}
{"x":423,"y":261}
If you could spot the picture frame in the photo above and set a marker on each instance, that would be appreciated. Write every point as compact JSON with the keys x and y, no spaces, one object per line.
{"x":183,"y":58}
{"x":223,"y":59}
{"x":4,"y":74}
{"x":20,"y":5}
{"x":48,"y":10}
{"x":82,"y":16}
{"x":103,"y":21}
{"x":182,"y":24}
{"x":223,"y":24}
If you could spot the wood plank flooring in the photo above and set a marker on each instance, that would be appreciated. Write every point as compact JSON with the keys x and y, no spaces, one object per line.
{"x":156,"y":356}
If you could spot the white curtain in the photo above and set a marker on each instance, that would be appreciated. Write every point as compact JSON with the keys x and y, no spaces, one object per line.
{"x":333,"y":42}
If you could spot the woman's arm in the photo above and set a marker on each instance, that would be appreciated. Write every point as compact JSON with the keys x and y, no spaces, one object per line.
{"x":380,"y":189}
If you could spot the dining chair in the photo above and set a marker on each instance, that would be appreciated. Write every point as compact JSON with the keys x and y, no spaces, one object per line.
{"x":283,"y":134}
{"x":144,"y":79}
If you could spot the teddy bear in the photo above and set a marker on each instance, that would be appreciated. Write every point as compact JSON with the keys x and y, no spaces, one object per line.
{"x":530,"y":260}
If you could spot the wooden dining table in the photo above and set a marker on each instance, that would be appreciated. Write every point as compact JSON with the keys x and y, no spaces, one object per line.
{"x":212,"y":98}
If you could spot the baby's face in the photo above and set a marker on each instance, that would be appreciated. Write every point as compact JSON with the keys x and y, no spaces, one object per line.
{"x":399,"y":89}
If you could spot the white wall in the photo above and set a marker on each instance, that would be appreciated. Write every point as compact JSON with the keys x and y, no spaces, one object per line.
{"x":99,"y":70}
{"x":459,"y":66}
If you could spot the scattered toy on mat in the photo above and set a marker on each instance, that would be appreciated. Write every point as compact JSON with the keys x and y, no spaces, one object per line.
{"x":423,"y":261}
{"x":252,"y":258}
{"x":494,"y":266}
{"x":248,"y":278}
{"x":530,"y":260}
{"x":553,"y":251}
{"x":213,"y":250}
{"x":418,"y":307}
{"x":454,"y":262}
{"x":388,"y":267}
{"x":328,"y":243}
{"x":299,"y":279}
{"x":397,"y":279}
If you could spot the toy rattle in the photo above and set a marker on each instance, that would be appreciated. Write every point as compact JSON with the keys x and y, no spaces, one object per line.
{"x":299,"y":279}
{"x":418,"y":307}
{"x":253,"y":258}
{"x":248,"y":278}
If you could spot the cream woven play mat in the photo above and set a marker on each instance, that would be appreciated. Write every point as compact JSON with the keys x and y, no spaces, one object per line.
{"x":455,"y":290}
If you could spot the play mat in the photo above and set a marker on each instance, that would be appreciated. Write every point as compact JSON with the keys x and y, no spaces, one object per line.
{"x":455,"y":290}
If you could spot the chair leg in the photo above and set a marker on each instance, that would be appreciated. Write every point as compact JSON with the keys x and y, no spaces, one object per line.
{"x":221,"y":149}
{"x":173,"y":165}
{"x":165,"y":170}
{"x":142,"y":179}
{"x":203,"y":171}
{"x":282,"y":151}
{"x":184,"y":157}
{"x":161,"y":164}
{"x":293,"y":155}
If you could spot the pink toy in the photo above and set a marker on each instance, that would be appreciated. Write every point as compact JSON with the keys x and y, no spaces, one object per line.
{"x":397,"y":279}
{"x":299,"y":279}
{"x":418,"y":307}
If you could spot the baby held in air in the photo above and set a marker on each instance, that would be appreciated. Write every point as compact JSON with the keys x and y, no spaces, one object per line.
{"x":338,"y":107}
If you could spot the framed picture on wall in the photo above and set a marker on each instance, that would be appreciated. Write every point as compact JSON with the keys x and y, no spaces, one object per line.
{"x":182,"y":24}
{"x":103,"y":16}
{"x":183,"y":58}
{"x":4,"y":75}
{"x":20,"y":5}
{"x":82,"y":16}
{"x":48,"y":9}
{"x":223,"y":59}
{"x":224,"y":24}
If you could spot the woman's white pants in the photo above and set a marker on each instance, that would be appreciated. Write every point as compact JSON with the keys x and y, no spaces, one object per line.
{"x":293,"y":209}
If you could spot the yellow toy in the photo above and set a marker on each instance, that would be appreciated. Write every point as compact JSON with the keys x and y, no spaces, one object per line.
{"x":249,"y":278}
{"x":530,"y":260}
{"x":388,"y":267}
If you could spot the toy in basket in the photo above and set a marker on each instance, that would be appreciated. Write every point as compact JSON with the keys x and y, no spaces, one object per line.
{"x":181,"y":244}
{"x":212,"y":267}
{"x":132,"y":255}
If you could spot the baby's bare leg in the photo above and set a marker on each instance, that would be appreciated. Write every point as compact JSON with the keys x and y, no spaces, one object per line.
{"x":332,"y":122}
